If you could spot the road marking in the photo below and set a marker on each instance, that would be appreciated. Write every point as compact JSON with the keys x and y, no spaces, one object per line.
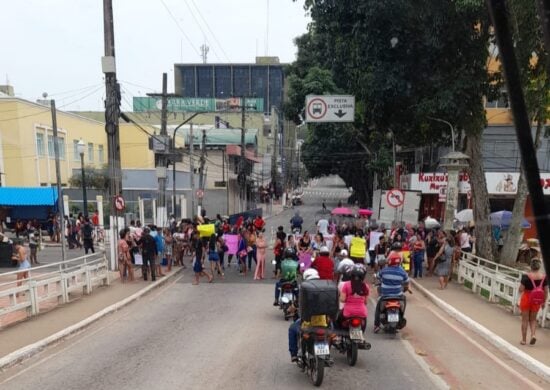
{"x":489,"y":354}
{"x":84,"y":337}
{"x":437,"y":380}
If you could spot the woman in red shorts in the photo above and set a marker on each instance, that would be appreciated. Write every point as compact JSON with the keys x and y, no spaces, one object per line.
{"x":534,"y":289}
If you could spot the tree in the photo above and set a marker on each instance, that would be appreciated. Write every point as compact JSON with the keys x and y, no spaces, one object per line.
{"x":95,"y":178}
{"x":531,"y":56}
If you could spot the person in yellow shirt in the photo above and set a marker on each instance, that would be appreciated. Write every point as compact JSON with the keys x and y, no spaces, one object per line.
{"x":358,"y":247}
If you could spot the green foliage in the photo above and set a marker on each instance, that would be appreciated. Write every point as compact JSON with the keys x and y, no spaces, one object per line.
{"x":95,"y":178}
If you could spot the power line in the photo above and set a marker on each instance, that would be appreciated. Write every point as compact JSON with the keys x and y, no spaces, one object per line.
{"x":199,"y":25}
{"x":179,"y":27}
{"x":211,"y":32}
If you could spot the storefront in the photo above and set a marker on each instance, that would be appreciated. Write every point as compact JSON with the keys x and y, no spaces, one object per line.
{"x":502,"y":188}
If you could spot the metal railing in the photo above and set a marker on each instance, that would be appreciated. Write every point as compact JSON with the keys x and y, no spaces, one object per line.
{"x":51,"y":284}
{"x":495,"y":282}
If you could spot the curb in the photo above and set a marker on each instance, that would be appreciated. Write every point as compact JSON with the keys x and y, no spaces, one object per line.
{"x":32,"y":349}
{"x":502,"y":345}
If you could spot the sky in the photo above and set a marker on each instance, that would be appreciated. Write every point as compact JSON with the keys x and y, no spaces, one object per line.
{"x":55,"y":46}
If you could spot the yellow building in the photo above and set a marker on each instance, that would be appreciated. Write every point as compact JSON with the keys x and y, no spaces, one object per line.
{"x":27,"y":157}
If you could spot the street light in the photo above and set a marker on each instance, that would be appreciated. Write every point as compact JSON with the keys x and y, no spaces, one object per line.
{"x":448,"y":124}
{"x":80,"y":147}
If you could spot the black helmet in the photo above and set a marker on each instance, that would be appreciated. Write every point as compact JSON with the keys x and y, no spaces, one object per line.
{"x":290,"y":253}
{"x":396,"y":246}
{"x":358,"y":272}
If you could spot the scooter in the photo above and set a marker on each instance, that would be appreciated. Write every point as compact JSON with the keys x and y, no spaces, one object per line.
{"x":315,"y":353}
{"x":391,"y":318}
{"x":351,"y":338}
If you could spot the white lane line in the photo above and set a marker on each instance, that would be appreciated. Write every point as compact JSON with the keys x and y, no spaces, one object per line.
{"x":437,"y":380}
{"x":84,"y":337}
{"x":485,"y":351}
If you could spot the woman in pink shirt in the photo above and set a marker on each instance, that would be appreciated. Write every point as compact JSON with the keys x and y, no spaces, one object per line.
{"x":354,"y":294}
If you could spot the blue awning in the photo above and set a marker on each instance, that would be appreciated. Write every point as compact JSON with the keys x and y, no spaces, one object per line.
{"x":28,"y":196}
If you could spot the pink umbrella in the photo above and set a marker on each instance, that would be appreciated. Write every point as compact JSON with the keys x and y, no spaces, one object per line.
{"x":365,"y":212}
{"x":342,"y":211}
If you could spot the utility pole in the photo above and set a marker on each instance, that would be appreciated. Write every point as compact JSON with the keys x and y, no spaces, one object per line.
{"x":242,"y":170}
{"x":275,"y":133}
{"x":112,"y":112}
{"x":60,"y":207}
{"x":201,"y":172}
{"x":192,"y":170}
{"x":161,"y":156}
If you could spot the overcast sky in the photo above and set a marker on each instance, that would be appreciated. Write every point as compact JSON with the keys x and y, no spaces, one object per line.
{"x":55,"y":46}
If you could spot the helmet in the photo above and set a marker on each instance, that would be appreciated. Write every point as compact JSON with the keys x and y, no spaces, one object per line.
{"x":394,"y":259}
{"x":358,"y":272}
{"x":396,"y":246}
{"x":344,"y":253}
{"x":290,"y":253}
{"x":324,"y":249}
{"x":310,"y":274}
{"x":345,"y":266}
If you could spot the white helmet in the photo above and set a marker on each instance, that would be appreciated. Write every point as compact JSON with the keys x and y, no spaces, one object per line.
{"x":344,"y":253}
{"x":324,"y":249}
{"x":345,"y":266}
{"x":310,"y":274}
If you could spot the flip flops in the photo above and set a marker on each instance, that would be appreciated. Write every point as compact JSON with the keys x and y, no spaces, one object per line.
{"x":533,"y":341}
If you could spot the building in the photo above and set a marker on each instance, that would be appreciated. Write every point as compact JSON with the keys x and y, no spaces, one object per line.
{"x":263,"y":79}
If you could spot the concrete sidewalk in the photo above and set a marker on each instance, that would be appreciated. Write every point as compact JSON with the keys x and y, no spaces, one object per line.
{"x":492,"y":316}
{"x":56,"y":320}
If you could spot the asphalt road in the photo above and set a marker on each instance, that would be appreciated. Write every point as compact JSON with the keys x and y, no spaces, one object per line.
{"x":228,"y":335}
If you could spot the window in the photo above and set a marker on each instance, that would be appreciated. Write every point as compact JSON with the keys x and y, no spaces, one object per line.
{"x":61,"y":145}
{"x":40,"y":144}
{"x":90,"y":152}
{"x":187,"y":81}
{"x":51,"y":151}
{"x":204,"y":82}
{"x":76,"y":155}
{"x":241,"y":80}
{"x":501,"y":102}
{"x":223,"y":82}
{"x":100,"y":154}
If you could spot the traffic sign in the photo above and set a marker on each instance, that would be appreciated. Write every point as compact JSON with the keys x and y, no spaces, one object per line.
{"x":330,"y":108}
{"x":395,"y":197}
{"x":200,"y":193}
{"x":119,"y":203}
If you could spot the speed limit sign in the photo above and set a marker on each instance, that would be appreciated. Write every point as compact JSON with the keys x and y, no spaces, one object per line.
{"x":119,"y":203}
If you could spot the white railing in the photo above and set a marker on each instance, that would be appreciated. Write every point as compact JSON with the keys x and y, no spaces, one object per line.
{"x":52,"y":283}
{"x":495,"y":282}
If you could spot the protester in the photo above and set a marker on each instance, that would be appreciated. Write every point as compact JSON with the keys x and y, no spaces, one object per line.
{"x":124,"y":257}
{"x":443,"y":260}
{"x":432,"y":247}
{"x":214,"y":257}
{"x":198,"y":263}
{"x":261,"y":246}
{"x":87,"y":235}
{"x":23,"y":262}
{"x":33,"y":246}
{"x":534,"y":289}
{"x":419,"y":249}
{"x":358,"y":247}
{"x":149,"y":252}
{"x":168,"y":248}
{"x":222,"y":248}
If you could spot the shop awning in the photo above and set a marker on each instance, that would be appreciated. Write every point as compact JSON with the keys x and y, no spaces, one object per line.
{"x":28,"y":196}
{"x":235,"y":150}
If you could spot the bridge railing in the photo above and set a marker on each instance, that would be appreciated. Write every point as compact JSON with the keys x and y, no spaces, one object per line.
{"x":51,"y":284}
{"x":495,"y":282}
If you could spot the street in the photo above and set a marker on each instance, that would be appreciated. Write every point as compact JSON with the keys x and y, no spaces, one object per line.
{"x":228,"y":335}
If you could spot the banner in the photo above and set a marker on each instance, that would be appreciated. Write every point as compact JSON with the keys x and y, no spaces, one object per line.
{"x":146,"y":104}
{"x":232,"y":242}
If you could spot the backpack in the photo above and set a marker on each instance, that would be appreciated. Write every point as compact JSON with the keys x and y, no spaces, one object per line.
{"x":536,"y":296}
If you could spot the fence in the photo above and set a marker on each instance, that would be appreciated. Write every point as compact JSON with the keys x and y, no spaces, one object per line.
{"x":50,"y":285}
{"x":495,"y":282}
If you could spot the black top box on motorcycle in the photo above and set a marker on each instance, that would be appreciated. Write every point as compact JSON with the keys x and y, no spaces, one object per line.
{"x":318,"y":297}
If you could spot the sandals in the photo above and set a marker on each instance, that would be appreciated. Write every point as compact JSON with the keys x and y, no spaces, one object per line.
{"x":533,"y":341}
{"x":522,"y":342}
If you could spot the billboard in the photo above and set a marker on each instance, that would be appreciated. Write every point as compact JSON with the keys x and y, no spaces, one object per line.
{"x":148,"y":104}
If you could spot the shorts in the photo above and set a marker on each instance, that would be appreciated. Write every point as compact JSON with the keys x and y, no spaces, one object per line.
{"x":525,"y":305}
{"x":213,"y":256}
{"x":24,"y":265}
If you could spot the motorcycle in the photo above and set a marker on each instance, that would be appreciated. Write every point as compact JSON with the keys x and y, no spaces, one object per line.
{"x":315,"y":353}
{"x":391,"y":318}
{"x":352,"y":338}
{"x":288,"y":299}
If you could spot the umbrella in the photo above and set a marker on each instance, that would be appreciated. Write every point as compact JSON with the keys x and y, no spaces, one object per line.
{"x":365,"y":212}
{"x":503,"y":219}
{"x":431,"y":223}
{"x":342,"y":211}
{"x":465,"y":215}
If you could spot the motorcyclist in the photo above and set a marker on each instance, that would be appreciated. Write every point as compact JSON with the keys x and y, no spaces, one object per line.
{"x":289,"y":269}
{"x":394,"y":281}
{"x":294,"y":329}
{"x":296,"y":222}
{"x":354,"y":293}
{"x":343,"y":268}
{"x":324,"y":264}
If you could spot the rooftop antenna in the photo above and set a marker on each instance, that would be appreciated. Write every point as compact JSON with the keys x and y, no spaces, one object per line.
{"x":204,"y":52}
